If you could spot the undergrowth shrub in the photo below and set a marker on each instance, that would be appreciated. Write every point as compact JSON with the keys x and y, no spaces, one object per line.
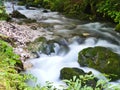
{"x":10,"y":79}
{"x":77,"y":84}
{"x":3,"y":14}
{"x":110,"y":8}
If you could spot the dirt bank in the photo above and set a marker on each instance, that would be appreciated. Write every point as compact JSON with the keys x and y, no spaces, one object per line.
{"x":22,"y":34}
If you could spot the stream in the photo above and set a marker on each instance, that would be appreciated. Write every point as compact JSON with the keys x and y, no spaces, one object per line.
{"x":73,"y":36}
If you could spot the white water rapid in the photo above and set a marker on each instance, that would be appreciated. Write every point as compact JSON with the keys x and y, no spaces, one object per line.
{"x":47,"y":67}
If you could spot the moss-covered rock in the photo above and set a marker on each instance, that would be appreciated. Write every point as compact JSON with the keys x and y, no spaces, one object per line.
{"x":41,"y":44}
{"x":102,"y":59}
{"x":117,"y":28}
{"x":68,"y":73}
{"x":36,"y":45}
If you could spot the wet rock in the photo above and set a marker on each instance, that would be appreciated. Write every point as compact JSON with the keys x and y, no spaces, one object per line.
{"x":29,"y":20}
{"x":33,"y":27}
{"x":31,"y":8}
{"x":48,"y":47}
{"x":63,"y":42}
{"x":19,"y":8}
{"x":77,"y":39}
{"x":43,"y":45}
{"x":68,"y":73}
{"x":45,"y":11}
{"x":17,"y":14}
{"x":36,"y":44}
{"x":27,"y":65}
{"x":72,"y":26}
{"x":86,"y":34}
{"x":102,"y":59}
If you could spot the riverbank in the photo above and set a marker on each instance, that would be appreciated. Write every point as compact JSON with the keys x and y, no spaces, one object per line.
{"x":14,"y":53}
{"x":20,"y":35}
{"x":91,"y":10}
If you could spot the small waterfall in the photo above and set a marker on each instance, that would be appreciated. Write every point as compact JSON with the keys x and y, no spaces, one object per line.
{"x":47,"y":67}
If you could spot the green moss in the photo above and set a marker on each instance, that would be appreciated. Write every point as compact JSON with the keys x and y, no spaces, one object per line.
{"x":102,"y":59}
{"x":68,"y":73}
{"x":37,"y":45}
{"x":21,"y":3}
{"x":117,"y":28}
{"x":106,"y":10}
{"x":3,"y":14}
{"x":43,"y":45}
{"x":7,"y":39}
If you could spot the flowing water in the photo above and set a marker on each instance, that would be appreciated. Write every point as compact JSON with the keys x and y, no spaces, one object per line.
{"x":47,"y":67}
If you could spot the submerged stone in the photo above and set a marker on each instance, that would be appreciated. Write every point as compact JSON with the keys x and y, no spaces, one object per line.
{"x":27,"y":65}
{"x":45,"y":11}
{"x":102,"y":59}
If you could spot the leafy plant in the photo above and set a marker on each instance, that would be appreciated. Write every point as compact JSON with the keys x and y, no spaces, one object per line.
{"x":110,"y":8}
{"x":76,"y":84}
{"x":10,"y":79}
{"x":3,"y":14}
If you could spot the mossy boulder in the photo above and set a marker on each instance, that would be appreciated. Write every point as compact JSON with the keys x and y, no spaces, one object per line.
{"x":37,"y":44}
{"x":17,"y":14}
{"x":68,"y":73}
{"x":41,"y":45}
{"x":117,"y":28}
{"x":101,"y":59}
